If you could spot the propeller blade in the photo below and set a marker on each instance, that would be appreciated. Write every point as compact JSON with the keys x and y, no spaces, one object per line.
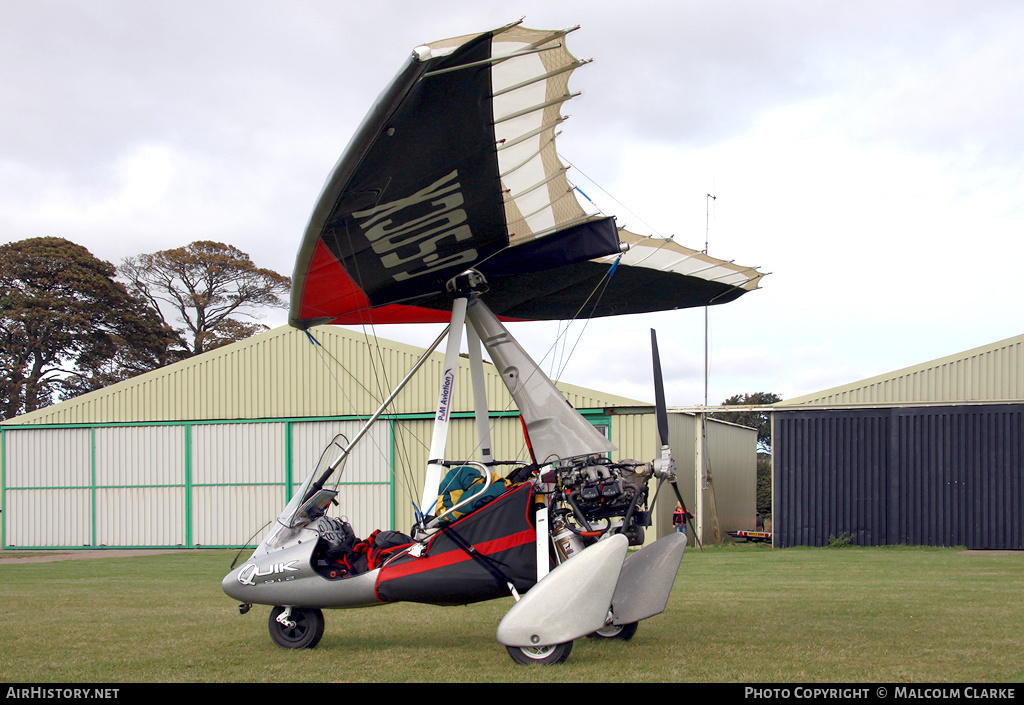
{"x":659,"y":392}
{"x":666,"y":468}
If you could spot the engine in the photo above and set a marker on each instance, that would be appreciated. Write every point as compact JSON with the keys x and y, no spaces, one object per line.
{"x":594,"y":496}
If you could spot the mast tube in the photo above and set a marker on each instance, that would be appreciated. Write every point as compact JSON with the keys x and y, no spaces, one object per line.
{"x":445,"y":399}
{"x":480,"y":410}
{"x":556,"y":430}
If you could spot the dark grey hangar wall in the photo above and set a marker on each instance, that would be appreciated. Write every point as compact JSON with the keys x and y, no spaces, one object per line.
{"x":936,"y":476}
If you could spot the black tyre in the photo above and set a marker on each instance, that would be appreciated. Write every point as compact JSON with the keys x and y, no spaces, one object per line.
{"x":624,"y":632}
{"x":542,"y":655}
{"x":304,"y":632}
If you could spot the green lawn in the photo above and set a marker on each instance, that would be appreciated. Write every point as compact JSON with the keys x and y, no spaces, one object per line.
{"x":739,"y":613}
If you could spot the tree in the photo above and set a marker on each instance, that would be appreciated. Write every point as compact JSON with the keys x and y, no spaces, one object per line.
{"x":66,"y":326}
{"x":761,"y":420}
{"x":206,"y":288}
{"x":763,"y":493}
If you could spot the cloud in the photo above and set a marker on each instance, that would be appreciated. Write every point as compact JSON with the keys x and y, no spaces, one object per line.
{"x":868,"y":155}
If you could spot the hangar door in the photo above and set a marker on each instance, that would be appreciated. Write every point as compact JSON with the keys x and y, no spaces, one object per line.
{"x":937,"y":476}
{"x":178,"y":484}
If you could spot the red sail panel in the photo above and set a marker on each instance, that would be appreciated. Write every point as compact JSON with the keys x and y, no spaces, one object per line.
{"x":327,"y":287}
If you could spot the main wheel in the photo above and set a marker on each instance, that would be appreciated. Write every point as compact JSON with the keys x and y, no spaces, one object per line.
{"x":543,"y":655}
{"x":304,"y":632}
{"x":624,"y":632}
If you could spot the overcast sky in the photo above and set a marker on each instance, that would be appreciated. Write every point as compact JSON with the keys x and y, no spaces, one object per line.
{"x":869,"y":155}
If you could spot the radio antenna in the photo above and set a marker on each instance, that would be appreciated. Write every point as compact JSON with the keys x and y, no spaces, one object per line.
{"x":707,"y":226}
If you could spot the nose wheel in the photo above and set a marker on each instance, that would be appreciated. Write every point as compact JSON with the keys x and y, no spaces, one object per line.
{"x":296,"y":627}
{"x":543,"y":655}
{"x":624,"y":632}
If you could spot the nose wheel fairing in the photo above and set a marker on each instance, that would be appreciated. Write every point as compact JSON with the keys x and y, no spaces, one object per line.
{"x":646,"y":580}
{"x":577,"y":597}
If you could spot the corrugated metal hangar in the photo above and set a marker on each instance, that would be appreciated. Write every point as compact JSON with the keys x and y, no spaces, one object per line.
{"x":720,"y":460}
{"x":207,"y":451}
{"x":928,"y":455}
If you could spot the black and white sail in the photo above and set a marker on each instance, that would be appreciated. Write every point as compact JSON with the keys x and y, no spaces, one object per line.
{"x":455,"y":168}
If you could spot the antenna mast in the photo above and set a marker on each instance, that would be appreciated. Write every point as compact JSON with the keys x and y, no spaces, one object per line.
{"x":707,"y":223}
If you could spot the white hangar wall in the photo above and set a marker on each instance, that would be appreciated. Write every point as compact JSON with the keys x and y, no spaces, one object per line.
{"x":219,"y":484}
{"x":182,"y":484}
{"x":208,"y":451}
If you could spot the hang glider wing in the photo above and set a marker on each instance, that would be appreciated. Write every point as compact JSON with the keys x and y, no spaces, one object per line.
{"x":455,"y":167}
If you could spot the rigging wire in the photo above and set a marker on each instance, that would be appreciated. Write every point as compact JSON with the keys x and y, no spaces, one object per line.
{"x":602,"y":285}
{"x":605,"y":192}
{"x":402,"y":454}
{"x":662,"y":240}
{"x":600,"y":288}
{"x":324,"y":354}
{"x":401,"y":449}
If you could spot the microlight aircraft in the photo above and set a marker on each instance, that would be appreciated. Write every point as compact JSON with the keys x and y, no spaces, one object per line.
{"x":451,"y":205}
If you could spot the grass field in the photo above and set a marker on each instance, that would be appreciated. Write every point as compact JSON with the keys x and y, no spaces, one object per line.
{"x":738,"y":613}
